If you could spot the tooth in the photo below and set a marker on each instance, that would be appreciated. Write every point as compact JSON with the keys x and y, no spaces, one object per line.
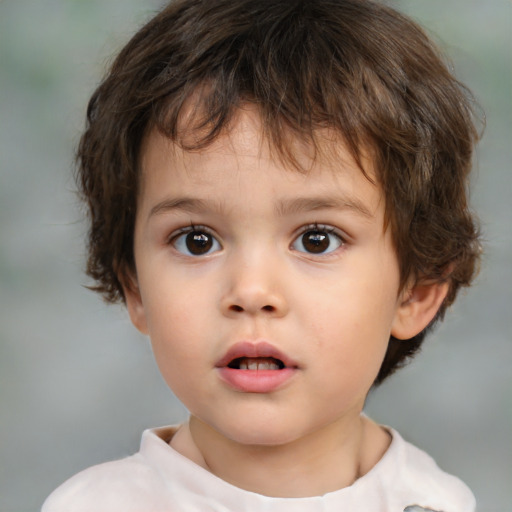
{"x":253,"y":365}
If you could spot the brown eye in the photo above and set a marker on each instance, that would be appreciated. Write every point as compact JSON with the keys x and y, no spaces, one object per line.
{"x":318,"y":241}
{"x":315,"y":241}
{"x":196,"y":243}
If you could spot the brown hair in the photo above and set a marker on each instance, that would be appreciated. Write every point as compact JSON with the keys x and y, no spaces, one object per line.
{"x":355,"y":66}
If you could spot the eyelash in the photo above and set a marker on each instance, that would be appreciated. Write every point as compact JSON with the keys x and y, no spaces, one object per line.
{"x":189,"y":229}
{"x":205,"y":245}
{"x":320,"y":228}
{"x":175,"y":237}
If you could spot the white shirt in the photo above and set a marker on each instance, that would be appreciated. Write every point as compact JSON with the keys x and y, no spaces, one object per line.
{"x":159,"y":479}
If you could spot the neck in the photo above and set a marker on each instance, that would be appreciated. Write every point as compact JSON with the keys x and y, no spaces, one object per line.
{"x":321,"y":462}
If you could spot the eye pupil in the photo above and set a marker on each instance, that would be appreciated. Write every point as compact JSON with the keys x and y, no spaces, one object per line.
{"x":315,"y":241}
{"x":198,"y":242}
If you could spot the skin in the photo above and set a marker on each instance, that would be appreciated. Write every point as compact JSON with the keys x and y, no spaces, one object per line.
{"x":332,"y":312}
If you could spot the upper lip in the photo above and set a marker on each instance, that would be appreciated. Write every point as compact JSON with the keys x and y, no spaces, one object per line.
{"x":251,"y":349}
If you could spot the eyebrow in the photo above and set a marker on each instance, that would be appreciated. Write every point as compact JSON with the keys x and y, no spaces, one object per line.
{"x":283,"y":208}
{"x":186,"y":204}
{"x":323,"y":203}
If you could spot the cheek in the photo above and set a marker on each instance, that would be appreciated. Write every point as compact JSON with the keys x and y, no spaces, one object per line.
{"x":362,"y":303}
{"x":172,"y":315}
{"x":351,"y":322}
{"x":174,"y":323}
{"x":175,"y":334}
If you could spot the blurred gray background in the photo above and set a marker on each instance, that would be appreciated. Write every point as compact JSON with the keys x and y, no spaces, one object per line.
{"x":78,"y":384}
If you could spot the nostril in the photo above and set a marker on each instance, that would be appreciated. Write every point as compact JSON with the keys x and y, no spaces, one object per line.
{"x":236,"y":308}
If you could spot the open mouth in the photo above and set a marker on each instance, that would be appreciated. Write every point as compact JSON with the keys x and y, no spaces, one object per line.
{"x":256,"y":363}
{"x":256,"y":368}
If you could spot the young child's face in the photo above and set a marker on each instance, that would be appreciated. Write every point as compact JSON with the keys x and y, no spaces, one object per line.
{"x":245,"y":266}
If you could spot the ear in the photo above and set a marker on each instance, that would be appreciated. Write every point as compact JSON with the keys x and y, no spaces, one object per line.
{"x":417,"y":307}
{"x":134,"y":303}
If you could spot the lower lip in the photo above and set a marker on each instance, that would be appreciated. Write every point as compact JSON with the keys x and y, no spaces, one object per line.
{"x":256,"y":381}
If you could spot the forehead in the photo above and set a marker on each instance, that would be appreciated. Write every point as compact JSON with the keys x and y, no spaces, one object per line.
{"x":243,"y":154}
{"x":245,"y":136}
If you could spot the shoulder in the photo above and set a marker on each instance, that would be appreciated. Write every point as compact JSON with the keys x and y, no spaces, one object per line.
{"x":428,"y":485}
{"x":133,"y":484}
{"x":122,"y":485}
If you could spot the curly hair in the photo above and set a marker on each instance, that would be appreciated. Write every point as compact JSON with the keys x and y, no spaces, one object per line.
{"x":355,"y":66}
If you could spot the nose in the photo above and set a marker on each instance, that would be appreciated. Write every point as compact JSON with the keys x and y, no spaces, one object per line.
{"x":254,"y":287}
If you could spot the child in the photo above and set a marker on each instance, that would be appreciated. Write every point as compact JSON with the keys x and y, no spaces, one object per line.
{"x":277,"y":192}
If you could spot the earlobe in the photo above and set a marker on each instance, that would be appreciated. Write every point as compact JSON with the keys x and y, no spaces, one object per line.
{"x":134,"y":303}
{"x":417,"y":308}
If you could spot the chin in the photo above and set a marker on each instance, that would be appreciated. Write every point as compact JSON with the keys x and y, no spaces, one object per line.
{"x":269,"y":440}
{"x":260,"y":433}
